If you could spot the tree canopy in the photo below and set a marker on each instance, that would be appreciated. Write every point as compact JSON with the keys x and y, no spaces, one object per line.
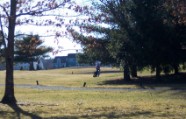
{"x":30,"y":48}
{"x":144,"y":33}
{"x":29,"y":12}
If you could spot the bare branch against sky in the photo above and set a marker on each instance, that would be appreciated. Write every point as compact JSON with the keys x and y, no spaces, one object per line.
{"x":26,"y":24}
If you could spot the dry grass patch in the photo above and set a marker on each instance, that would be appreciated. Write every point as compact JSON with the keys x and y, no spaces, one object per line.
{"x":64,"y":77}
{"x":97,"y":104}
{"x":89,"y":104}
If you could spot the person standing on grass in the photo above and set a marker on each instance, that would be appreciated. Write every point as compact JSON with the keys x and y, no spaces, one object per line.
{"x":98,"y":63}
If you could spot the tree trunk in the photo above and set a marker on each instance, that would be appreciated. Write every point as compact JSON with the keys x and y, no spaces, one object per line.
{"x":31,"y":67}
{"x":9,"y":97}
{"x":176,"y":69}
{"x":134,"y":71}
{"x":126,"y":72}
{"x":158,"y":71}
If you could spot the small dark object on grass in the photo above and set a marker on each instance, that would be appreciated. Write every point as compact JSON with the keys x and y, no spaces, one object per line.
{"x":72,"y":72}
{"x":96,"y":73}
{"x":37,"y":82}
{"x":84,"y":84}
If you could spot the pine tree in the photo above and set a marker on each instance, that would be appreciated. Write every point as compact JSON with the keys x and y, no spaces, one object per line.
{"x":145,"y":33}
{"x":30,"y":49}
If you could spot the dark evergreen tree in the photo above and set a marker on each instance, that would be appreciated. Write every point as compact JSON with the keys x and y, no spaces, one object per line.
{"x":161,"y":34}
{"x":117,"y":35}
{"x":94,"y":48}
{"x":30,"y":49}
{"x":138,"y":33}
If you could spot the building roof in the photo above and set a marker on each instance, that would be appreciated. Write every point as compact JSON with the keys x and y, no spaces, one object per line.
{"x":72,"y":55}
{"x":63,"y":59}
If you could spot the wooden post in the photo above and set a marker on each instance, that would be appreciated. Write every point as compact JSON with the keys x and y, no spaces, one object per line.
{"x":37,"y":82}
{"x":84,"y":84}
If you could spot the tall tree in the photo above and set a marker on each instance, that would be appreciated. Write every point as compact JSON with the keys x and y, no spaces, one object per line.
{"x":30,"y":48}
{"x":112,"y":23}
{"x":94,"y":48}
{"x":138,"y":33}
{"x":17,"y":12}
{"x":159,"y":27}
{"x":9,"y":90}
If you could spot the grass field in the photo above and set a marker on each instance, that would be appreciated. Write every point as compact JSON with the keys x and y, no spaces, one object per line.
{"x":164,"y":103}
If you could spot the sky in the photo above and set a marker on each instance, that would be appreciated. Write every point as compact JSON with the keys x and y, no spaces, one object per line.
{"x":64,"y":45}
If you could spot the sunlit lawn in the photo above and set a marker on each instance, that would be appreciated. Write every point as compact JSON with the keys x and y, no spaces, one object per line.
{"x":60,"y":104}
{"x":73,"y":77}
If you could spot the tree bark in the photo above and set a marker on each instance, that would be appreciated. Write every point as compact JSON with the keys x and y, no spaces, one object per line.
{"x":176,"y":69}
{"x":9,"y":97}
{"x":134,"y":71}
{"x":126,"y":72}
{"x":158,"y":71}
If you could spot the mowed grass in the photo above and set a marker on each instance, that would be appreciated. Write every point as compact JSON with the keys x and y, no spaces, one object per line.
{"x":69,"y":77}
{"x":89,"y":104}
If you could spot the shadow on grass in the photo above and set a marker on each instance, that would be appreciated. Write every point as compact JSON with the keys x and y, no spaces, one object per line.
{"x":114,"y":115}
{"x":20,"y":112}
{"x":172,"y":81}
{"x":110,"y":115}
{"x":102,"y":72}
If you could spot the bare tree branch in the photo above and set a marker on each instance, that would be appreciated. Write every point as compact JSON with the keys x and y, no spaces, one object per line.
{"x":32,"y":35}
{"x":4,"y":9}
{"x":48,"y":15}
{"x":40,"y":11}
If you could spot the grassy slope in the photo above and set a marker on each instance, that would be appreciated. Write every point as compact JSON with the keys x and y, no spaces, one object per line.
{"x":166,"y":104}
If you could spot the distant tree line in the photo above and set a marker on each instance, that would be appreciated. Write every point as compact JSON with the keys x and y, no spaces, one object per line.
{"x":135,"y":34}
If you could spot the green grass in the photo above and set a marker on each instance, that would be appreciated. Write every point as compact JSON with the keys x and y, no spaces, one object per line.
{"x":136,"y":104}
